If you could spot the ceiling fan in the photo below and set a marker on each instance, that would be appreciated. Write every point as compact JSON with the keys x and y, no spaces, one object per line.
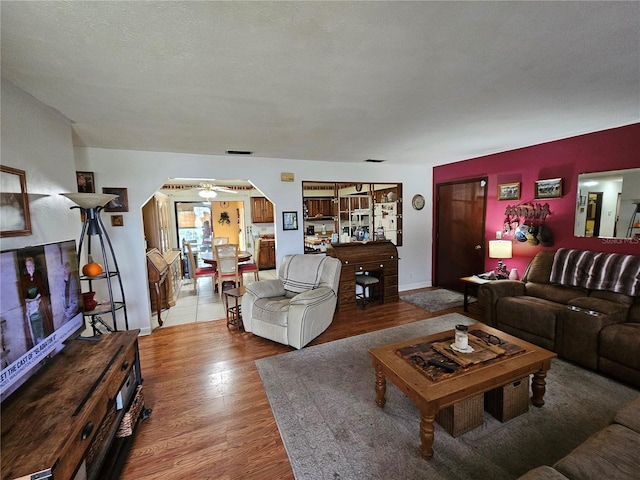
{"x":209,"y":190}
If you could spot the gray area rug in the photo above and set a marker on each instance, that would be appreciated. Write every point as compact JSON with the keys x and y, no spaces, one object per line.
{"x":436,"y":300}
{"x":323,"y":400}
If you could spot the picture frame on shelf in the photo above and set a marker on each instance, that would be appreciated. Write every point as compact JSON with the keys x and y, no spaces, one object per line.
{"x":551,"y":188}
{"x":120,"y":204}
{"x":509,"y":191}
{"x":15,"y":219}
{"x":85,"y":182}
{"x":290,"y":220}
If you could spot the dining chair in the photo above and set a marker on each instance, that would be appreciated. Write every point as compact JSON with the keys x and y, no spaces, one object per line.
{"x":252,"y":266}
{"x":220,"y":240}
{"x":198,"y":272}
{"x":226,"y":256}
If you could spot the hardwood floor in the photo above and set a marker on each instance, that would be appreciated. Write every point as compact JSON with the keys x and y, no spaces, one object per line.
{"x":211,"y":417}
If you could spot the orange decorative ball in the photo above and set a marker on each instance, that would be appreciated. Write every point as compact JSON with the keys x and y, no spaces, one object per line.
{"x":92,"y":269}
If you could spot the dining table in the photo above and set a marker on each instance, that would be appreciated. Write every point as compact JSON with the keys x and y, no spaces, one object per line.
{"x":209,"y":259}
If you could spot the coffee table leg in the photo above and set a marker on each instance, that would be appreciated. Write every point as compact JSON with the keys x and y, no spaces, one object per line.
{"x":538,"y":387}
{"x":381,"y":386}
{"x":426,"y":433}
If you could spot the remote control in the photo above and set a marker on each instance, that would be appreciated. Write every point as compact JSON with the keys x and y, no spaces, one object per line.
{"x":446,"y":366}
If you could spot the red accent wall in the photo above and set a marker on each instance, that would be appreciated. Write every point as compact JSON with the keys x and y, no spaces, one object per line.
{"x":614,"y":149}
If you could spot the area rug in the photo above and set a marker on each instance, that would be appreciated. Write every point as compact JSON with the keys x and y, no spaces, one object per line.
{"x":323,"y":400}
{"x":436,"y":300}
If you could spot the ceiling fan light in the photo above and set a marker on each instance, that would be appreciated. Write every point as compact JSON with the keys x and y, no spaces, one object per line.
{"x":208,"y":193}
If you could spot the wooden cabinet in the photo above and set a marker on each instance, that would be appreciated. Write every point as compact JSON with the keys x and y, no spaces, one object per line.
{"x":63,"y":422}
{"x":319,"y":207}
{"x":378,"y":258}
{"x":157,"y":231}
{"x":261,"y":210}
{"x":267,"y":254}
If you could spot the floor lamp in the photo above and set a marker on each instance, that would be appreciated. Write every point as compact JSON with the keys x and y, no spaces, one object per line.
{"x":91,"y":204}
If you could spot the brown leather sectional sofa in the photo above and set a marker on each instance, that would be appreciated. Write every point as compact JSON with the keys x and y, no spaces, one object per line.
{"x":598,"y":329}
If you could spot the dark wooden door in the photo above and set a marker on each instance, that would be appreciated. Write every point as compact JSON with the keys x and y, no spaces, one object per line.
{"x":460,"y":245}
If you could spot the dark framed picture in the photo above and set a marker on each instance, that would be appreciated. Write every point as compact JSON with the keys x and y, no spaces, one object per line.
{"x":551,"y":188}
{"x":120,"y":204}
{"x":117,"y":221}
{"x":289,"y":220}
{"x":509,"y":191}
{"x":15,"y":219}
{"x":85,"y":182}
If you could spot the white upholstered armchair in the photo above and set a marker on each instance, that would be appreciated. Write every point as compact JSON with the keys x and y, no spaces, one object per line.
{"x":297,"y":307}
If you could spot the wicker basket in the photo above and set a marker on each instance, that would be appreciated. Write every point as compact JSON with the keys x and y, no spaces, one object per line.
{"x":131,"y":417}
{"x":463,"y":416}
{"x":508,"y":402}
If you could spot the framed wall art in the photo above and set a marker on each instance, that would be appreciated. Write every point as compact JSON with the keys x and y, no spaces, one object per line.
{"x":509,"y":191}
{"x":14,"y":203}
{"x":117,"y":221}
{"x":85,"y":182}
{"x":120,"y":204}
{"x":289,"y":220}
{"x":551,"y":188}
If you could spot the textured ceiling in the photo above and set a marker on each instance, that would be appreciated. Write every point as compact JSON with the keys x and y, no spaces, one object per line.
{"x":407,"y":82}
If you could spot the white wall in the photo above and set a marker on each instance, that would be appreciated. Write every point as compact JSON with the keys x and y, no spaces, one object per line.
{"x":143,"y":172}
{"x":37,"y":139}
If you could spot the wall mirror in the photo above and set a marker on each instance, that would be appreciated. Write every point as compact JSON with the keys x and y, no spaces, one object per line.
{"x":608,"y":204}
{"x":347,"y":211}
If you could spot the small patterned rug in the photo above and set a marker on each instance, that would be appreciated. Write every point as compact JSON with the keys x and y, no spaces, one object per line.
{"x":436,"y":300}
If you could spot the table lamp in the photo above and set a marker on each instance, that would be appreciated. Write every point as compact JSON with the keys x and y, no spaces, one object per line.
{"x":500,"y":249}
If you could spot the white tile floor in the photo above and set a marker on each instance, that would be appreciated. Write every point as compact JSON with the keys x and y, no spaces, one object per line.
{"x":207,"y":305}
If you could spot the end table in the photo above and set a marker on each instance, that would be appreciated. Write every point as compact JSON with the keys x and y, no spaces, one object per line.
{"x":234,"y":313}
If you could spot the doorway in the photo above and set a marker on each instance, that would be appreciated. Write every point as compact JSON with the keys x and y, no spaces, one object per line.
{"x":594,"y":214}
{"x":460,"y":226}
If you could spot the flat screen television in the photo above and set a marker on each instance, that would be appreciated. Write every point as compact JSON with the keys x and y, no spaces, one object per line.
{"x":40,"y":308}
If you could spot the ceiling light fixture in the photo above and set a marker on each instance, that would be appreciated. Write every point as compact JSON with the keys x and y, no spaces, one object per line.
{"x":208,"y":193}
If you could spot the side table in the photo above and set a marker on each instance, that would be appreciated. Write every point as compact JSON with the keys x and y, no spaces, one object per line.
{"x":234,"y":313}
{"x":472,"y":280}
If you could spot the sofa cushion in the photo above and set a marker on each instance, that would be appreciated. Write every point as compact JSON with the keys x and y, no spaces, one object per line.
{"x":620,"y":343}
{"x":554,"y":293}
{"x":609,"y":454}
{"x":543,"y":473}
{"x":629,"y":415}
{"x":612,"y":296}
{"x":273,"y":310}
{"x":301,"y":272}
{"x":529,"y":314}
{"x":539,"y":270}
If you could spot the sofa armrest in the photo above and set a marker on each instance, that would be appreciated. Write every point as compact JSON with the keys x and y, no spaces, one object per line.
{"x":266,"y":289}
{"x":490,"y":293}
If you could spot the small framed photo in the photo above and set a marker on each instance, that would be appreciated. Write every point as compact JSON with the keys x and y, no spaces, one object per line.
{"x":15,"y":219}
{"x":509,"y":191}
{"x":551,"y":188}
{"x":120,"y":204}
{"x":117,"y":221}
{"x":289,"y":220}
{"x":85,"y":182}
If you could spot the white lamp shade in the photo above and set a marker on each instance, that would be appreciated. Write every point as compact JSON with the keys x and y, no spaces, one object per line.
{"x":90,"y":200}
{"x":500,"y":249}
{"x":208,"y":193}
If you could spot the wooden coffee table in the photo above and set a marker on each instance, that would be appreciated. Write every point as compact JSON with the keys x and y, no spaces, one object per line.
{"x":431,"y":396}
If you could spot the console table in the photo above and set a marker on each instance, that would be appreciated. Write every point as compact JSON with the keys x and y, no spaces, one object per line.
{"x":379,"y":258}
{"x":63,"y":422}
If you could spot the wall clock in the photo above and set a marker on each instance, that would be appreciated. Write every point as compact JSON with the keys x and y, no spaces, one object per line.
{"x":418,"y":202}
{"x":224,"y":204}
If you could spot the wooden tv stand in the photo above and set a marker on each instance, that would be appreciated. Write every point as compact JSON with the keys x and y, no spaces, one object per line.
{"x":62,"y":423}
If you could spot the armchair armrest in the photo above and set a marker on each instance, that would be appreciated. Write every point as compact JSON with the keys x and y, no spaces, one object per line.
{"x":490,"y":293}
{"x":266,"y":289}
{"x":310,"y":297}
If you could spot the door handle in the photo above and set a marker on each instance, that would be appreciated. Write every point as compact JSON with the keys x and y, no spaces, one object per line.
{"x":478,"y":247}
